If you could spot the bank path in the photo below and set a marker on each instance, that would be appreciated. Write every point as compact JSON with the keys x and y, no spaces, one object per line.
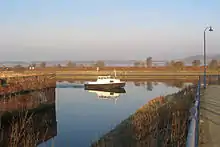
{"x":210,"y":117}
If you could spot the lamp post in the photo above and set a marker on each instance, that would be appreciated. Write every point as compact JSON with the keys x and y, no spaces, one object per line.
{"x":210,"y":29}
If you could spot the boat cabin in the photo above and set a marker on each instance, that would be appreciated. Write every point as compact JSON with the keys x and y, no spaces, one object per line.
{"x":104,"y":77}
{"x":107,"y":79}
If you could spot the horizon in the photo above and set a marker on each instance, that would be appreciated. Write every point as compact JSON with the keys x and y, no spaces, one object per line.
{"x":209,"y":57}
{"x":111,"y":30}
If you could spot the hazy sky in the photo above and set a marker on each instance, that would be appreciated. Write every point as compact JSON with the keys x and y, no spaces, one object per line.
{"x":106,"y":29}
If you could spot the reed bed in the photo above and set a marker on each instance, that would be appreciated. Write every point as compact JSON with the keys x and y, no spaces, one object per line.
{"x":28,"y":128}
{"x":164,"y":121}
{"x":28,"y":83}
{"x":27,"y":101}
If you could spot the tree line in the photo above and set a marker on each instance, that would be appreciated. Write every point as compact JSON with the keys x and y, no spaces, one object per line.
{"x":213,"y":64}
{"x":69,"y":64}
{"x":148,"y":63}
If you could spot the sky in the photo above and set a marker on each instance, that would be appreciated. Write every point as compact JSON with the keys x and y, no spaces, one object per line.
{"x":106,"y":29}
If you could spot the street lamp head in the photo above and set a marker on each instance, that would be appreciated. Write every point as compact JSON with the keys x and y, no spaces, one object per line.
{"x":210,"y":29}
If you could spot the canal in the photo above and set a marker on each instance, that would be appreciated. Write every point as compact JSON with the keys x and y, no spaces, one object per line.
{"x":78,"y":117}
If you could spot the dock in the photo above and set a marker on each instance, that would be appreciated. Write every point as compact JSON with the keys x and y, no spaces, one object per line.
{"x":210,"y":117}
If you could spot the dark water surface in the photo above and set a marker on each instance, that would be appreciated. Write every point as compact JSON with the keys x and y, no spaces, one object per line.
{"x":75,"y":117}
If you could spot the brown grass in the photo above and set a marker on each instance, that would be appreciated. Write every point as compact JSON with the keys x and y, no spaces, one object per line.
{"x":160,"y":119}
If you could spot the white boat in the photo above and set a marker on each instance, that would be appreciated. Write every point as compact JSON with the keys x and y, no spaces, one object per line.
{"x":105,"y":82}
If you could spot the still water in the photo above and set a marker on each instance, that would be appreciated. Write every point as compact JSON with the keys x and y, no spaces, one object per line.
{"x":76,"y":117}
{"x":83,"y":117}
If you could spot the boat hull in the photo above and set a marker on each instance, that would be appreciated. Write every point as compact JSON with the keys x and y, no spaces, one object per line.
{"x":105,"y":86}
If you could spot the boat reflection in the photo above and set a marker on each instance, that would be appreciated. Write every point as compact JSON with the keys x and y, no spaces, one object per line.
{"x":28,"y":120}
{"x":111,"y":94}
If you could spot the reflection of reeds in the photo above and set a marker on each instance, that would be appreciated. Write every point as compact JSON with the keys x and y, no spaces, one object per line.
{"x":28,"y":119}
{"x":158,"y":123}
{"x":22,"y":132}
{"x":28,"y":101}
{"x":28,"y":129}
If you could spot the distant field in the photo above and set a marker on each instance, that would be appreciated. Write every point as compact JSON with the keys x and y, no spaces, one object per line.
{"x":122,"y":72}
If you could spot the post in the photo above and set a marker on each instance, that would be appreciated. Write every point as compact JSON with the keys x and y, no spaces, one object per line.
{"x":204,"y":60}
{"x":209,"y":29}
{"x":115,"y":72}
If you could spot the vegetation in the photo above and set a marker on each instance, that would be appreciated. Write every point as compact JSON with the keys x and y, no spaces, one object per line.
{"x":71,"y":64}
{"x":139,"y":64}
{"x":149,"y":62}
{"x":196,"y":63}
{"x":34,"y":65}
{"x":100,"y":64}
{"x":22,"y":132}
{"x":178,"y":65}
{"x":213,"y":65}
{"x":43,"y":64}
{"x":163,"y":121}
{"x":59,"y":65}
{"x":18,"y":68}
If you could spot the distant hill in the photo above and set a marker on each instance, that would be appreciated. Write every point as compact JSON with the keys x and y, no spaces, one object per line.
{"x":190,"y":59}
{"x":216,"y":57}
{"x":13,"y":62}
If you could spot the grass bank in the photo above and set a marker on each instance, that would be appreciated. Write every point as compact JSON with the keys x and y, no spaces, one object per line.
{"x":124,"y":73}
{"x":127,"y":78}
{"x":131,"y":75}
{"x":163,"y":120}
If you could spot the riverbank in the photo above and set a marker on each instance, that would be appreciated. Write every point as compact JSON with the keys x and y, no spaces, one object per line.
{"x":133,"y":75}
{"x":125,"y":73}
{"x":13,"y":85}
{"x":126,"y":78}
{"x":163,"y":120}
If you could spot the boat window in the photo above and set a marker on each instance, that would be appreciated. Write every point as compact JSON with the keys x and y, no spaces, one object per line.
{"x":111,"y":81}
{"x":112,"y":93}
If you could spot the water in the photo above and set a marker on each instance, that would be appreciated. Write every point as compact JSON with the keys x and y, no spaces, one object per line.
{"x":82,"y":118}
